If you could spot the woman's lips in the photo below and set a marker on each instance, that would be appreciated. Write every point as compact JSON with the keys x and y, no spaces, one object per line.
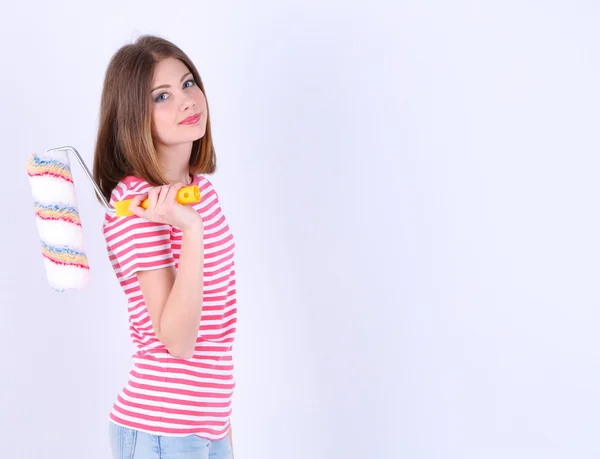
{"x":191,"y":119}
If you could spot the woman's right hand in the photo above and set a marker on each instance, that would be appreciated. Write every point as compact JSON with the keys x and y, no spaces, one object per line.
{"x":164,"y":208}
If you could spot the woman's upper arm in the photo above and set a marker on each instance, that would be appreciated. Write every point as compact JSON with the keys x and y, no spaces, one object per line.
{"x":156,"y":285}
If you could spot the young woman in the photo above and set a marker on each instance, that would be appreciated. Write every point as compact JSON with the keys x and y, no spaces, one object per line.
{"x":175,"y":263}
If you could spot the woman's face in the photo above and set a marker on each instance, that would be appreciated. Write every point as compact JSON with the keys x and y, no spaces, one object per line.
{"x":178,"y":105}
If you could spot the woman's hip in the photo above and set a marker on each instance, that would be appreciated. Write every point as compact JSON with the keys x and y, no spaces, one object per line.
{"x":128,"y":443}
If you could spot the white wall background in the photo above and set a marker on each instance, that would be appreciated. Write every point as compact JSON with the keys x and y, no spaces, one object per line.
{"x":414,"y":191}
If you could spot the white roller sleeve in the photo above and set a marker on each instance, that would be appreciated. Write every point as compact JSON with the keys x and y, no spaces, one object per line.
{"x":58,"y":222}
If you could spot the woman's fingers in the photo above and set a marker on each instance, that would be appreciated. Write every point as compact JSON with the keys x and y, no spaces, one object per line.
{"x":136,"y":208}
{"x":153,"y":197}
{"x":163,"y":191}
{"x":172,"y":196}
{"x":162,"y":201}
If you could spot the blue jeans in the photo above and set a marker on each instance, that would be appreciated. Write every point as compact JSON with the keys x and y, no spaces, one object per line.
{"x":132,"y":444}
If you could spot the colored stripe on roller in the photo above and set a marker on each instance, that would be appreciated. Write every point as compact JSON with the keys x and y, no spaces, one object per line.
{"x":57,"y":212}
{"x":65,"y":256}
{"x":37,"y":167}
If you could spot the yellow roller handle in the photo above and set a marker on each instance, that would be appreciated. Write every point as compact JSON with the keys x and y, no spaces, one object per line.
{"x":185,"y":195}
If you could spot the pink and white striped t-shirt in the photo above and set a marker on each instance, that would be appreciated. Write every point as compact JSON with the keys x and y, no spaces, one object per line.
{"x":165,"y":395}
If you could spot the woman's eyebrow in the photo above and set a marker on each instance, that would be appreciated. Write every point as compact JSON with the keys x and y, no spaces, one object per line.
{"x":168,"y":86}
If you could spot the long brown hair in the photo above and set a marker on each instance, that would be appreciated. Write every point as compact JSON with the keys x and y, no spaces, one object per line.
{"x":124,"y":145}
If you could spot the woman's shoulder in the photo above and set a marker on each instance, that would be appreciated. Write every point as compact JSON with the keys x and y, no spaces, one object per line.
{"x":205,"y":185}
{"x":128,"y":187}
{"x":202,"y":179}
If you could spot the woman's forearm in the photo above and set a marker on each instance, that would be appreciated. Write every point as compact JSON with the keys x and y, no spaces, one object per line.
{"x":180,"y":319}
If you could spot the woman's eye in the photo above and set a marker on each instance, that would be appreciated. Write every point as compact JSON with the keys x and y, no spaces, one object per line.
{"x":164,"y":95}
{"x":160,"y":97}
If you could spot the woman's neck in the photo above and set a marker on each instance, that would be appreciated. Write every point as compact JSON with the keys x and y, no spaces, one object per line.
{"x":182,"y":176}
{"x":175,"y":161}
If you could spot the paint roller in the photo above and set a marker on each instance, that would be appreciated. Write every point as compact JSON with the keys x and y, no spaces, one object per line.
{"x":57,"y":215}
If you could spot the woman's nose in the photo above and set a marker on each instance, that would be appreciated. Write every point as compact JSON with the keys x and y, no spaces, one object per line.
{"x":188,"y":103}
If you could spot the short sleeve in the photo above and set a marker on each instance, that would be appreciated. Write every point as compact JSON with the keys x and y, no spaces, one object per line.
{"x":136,"y":244}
